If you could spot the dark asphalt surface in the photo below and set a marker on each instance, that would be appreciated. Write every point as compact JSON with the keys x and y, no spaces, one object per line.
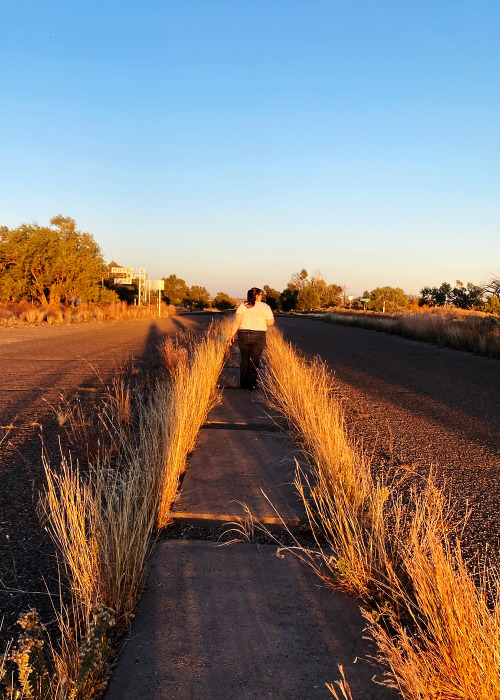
{"x":408,"y":401}
{"x":40,"y":367}
{"x":421,"y":406}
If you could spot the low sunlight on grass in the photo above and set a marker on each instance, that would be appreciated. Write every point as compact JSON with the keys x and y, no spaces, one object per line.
{"x":450,"y":327}
{"x":23,"y":313}
{"x":103,"y":515}
{"x":394,"y":544}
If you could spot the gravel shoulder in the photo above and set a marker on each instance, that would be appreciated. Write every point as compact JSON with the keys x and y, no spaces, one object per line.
{"x":421,"y":407}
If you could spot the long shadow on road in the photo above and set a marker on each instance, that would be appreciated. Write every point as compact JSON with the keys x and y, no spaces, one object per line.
{"x":28,"y":565}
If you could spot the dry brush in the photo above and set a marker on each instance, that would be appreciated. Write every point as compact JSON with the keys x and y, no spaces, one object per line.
{"x":437,"y":622}
{"x":103,"y":515}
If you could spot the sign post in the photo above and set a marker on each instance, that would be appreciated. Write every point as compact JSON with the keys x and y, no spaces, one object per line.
{"x":157,"y":286}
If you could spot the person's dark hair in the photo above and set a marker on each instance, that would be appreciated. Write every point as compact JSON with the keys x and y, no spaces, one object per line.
{"x":252,"y":296}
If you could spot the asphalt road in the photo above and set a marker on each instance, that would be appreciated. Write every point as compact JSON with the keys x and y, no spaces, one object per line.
{"x":420,"y":406}
{"x":41,"y":367}
{"x":409,"y":402}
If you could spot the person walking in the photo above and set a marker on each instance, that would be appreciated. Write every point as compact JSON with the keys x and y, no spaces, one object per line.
{"x":253,"y":318}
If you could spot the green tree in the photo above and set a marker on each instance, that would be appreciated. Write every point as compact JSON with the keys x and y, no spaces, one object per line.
{"x":273,"y":297}
{"x":197,"y":298}
{"x":288,"y":299}
{"x":469,"y":296}
{"x":388,"y":298}
{"x":176,"y":290}
{"x":332,"y":295}
{"x":492,"y":306}
{"x":51,"y":264}
{"x":308,"y":298}
{"x":436,"y":296}
{"x":462,"y":296}
{"x":223,"y":302}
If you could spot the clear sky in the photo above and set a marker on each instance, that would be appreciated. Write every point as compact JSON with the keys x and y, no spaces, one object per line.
{"x":234,"y":142}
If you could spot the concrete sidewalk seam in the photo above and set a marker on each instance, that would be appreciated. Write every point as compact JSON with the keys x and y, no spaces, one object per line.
{"x":258,"y":427}
{"x":233,"y":517}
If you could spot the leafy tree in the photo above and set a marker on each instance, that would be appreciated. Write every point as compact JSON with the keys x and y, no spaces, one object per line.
{"x":436,"y":296}
{"x":331,"y":295}
{"x":298,"y":280}
{"x":223,"y":302}
{"x":51,"y":264}
{"x":197,"y":298}
{"x":492,"y":306}
{"x":175,"y":290}
{"x":308,"y":298}
{"x":273,"y":297}
{"x":388,"y":298}
{"x":468,"y":296}
{"x":462,"y":296}
{"x":288,"y":299}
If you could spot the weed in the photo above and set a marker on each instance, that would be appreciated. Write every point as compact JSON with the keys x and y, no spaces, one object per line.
{"x":437,"y":622}
{"x":103,"y":515}
{"x":343,"y":685}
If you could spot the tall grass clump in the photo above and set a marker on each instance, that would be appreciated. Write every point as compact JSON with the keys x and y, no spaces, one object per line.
{"x":394,"y":544}
{"x":458,"y":329}
{"x":342,"y":499}
{"x":451,"y":647}
{"x":194,"y":380}
{"x":103,"y":515}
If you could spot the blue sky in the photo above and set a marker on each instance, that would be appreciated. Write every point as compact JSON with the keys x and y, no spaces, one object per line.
{"x":234,"y":142}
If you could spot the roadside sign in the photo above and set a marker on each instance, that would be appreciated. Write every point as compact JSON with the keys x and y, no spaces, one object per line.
{"x":123,"y":271}
{"x":156,"y":285}
{"x":365,"y":299}
{"x":350,"y":297}
{"x":123,"y":280}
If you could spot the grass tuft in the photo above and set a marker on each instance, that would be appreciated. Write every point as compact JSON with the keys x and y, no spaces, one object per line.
{"x":437,"y":622}
{"x":103,"y":515}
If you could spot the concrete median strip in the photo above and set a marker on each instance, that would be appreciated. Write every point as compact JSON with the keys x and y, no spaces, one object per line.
{"x":246,"y":620}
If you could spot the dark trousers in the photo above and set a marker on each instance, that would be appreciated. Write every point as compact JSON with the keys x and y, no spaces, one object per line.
{"x":251,"y":344}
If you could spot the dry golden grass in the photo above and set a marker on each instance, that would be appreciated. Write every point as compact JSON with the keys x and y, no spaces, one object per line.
{"x":450,"y":327}
{"x":102,"y":520}
{"x":25,"y":313}
{"x":343,"y":686}
{"x":344,"y":503}
{"x":434,"y":621}
{"x":452,"y":649}
{"x":103,"y":517}
{"x":194,"y":374}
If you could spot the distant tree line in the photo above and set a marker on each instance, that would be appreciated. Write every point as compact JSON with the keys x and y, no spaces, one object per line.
{"x":59,"y":264}
{"x":304,"y":293}
{"x":177,"y":292}
{"x":463,"y":296}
